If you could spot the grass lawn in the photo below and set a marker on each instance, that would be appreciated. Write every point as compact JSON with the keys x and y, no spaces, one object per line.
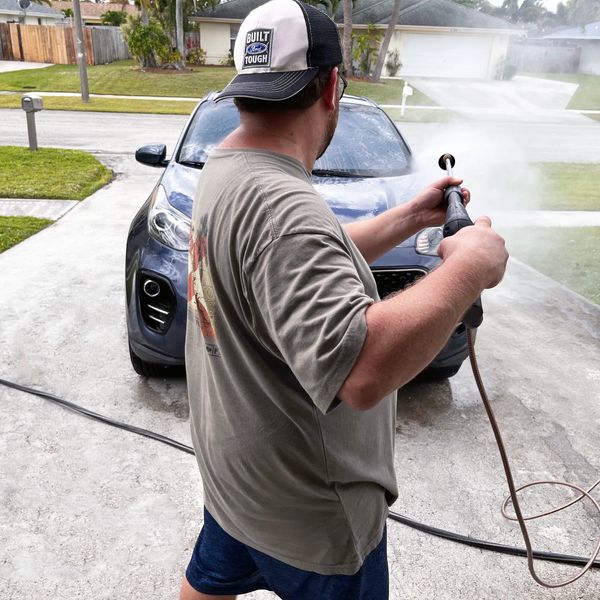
{"x":50,"y":173}
{"x":570,"y":255}
{"x":121,"y":77}
{"x":126,"y":78}
{"x":587,"y":95}
{"x":15,"y":229}
{"x":124,"y":105}
{"x":569,"y":186}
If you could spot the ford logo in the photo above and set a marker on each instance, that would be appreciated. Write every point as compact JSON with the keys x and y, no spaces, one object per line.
{"x":256,"y":48}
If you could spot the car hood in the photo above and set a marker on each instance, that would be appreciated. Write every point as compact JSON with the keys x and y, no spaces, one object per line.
{"x":350,"y":198}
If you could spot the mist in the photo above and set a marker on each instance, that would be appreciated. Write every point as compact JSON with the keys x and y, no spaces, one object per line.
{"x":493,"y":166}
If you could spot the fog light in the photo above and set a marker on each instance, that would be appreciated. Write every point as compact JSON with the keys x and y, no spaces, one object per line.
{"x":151,"y":288}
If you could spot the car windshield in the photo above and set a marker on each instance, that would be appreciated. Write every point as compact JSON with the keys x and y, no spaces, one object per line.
{"x":365,"y":143}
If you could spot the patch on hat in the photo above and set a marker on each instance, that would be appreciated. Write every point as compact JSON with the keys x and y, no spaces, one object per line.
{"x":258,"y":48}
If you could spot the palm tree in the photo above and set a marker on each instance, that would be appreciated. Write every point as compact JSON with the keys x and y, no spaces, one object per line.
{"x":386,"y":41}
{"x":347,"y":37}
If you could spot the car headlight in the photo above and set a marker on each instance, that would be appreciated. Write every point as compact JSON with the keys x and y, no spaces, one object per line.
{"x":166,"y":223}
{"x":428,"y":241}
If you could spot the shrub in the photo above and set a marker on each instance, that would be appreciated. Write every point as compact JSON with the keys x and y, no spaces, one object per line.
{"x":392,"y":63}
{"x":228,"y":61}
{"x":365,"y":48}
{"x":197,"y":56}
{"x":147,"y":42}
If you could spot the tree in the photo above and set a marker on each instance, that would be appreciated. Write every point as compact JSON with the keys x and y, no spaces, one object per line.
{"x":116,"y":18}
{"x":582,"y":12}
{"x":347,"y":37}
{"x":391,"y":28}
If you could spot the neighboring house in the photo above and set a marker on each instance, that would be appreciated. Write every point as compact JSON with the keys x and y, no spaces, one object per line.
{"x":91,"y":13}
{"x":434,"y":38}
{"x":588,"y":39}
{"x":35,"y":14}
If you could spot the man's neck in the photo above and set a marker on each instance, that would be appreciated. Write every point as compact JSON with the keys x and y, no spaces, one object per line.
{"x":276,"y":133}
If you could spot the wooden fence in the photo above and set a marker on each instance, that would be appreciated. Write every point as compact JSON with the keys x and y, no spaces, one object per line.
{"x":56,"y":44}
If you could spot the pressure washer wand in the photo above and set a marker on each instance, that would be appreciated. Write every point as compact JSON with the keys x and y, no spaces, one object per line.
{"x":457,"y":218}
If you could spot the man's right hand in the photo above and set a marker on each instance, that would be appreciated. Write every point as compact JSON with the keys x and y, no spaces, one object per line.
{"x":479,"y":247}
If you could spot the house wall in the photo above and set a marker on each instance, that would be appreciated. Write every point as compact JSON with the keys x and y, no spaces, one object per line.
{"x":589,"y":61}
{"x":496,"y":48}
{"x":29,"y":20}
{"x":215,"y":40}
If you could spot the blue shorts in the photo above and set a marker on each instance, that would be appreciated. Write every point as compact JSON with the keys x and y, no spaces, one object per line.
{"x":221,"y":565}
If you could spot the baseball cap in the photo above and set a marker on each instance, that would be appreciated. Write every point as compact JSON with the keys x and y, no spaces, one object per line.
{"x":279,"y":49}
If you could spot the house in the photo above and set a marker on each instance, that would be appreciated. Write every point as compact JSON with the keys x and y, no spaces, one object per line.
{"x":433,"y":38}
{"x":34,"y":14}
{"x":587,"y":38}
{"x":91,"y":12}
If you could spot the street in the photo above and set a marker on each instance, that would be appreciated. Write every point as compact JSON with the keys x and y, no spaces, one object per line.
{"x":535,"y":142}
{"x":88,"y":511}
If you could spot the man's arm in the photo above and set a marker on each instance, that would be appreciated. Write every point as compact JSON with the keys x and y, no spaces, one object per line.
{"x":406,"y":331}
{"x":374,"y":237}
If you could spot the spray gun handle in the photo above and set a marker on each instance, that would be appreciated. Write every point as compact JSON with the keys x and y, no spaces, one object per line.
{"x":457,"y":218}
{"x":456,"y":214}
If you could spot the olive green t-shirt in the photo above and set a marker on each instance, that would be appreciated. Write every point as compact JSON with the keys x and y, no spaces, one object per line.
{"x":276,"y":319}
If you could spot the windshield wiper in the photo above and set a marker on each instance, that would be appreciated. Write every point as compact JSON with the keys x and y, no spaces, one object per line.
{"x":336,"y":173}
{"x":197,"y":164}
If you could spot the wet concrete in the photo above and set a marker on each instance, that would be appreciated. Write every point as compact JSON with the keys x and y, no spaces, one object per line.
{"x":87,"y":511}
{"x":525,"y":99}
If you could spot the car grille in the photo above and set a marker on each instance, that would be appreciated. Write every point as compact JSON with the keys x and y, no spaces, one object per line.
{"x":157,"y":301}
{"x":392,"y":280}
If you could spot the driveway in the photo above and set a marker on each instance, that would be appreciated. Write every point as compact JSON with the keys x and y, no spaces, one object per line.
{"x":17,"y":65}
{"x":87,"y":511}
{"x":522,"y":99}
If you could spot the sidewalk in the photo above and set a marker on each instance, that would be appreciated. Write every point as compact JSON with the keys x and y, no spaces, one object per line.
{"x":17,"y":65}
{"x":33,"y":207}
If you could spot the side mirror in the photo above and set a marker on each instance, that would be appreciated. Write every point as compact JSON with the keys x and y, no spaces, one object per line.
{"x":153,"y":155}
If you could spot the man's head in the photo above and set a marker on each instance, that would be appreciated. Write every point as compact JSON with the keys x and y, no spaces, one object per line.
{"x":284,"y":54}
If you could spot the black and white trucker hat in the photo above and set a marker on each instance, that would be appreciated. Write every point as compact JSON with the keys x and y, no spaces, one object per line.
{"x":279,"y":49}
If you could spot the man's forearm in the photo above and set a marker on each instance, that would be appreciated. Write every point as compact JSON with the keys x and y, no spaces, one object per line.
{"x":405,"y":332}
{"x":375,"y":236}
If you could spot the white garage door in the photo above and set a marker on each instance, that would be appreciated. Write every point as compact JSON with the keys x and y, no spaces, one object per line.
{"x":426,"y":55}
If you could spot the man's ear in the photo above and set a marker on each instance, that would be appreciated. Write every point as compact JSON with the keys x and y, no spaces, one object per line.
{"x":330,"y":92}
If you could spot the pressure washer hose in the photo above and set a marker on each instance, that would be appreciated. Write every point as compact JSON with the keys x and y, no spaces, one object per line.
{"x":512,"y":498}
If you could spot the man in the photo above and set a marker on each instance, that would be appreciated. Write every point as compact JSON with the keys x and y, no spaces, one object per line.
{"x":292,"y":360}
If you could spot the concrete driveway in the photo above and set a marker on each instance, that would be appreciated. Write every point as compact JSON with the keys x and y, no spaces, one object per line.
{"x":87,"y":511}
{"x":522,"y":99}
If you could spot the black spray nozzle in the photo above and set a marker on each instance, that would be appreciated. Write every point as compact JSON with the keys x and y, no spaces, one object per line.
{"x":457,"y":218}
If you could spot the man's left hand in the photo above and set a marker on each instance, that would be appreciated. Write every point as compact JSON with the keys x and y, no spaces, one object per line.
{"x":429,"y":207}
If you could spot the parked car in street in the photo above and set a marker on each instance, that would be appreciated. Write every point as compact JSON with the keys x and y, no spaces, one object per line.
{"x":366,"y":170}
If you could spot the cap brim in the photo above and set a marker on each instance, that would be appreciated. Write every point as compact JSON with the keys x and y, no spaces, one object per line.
{"x":268,"y":86}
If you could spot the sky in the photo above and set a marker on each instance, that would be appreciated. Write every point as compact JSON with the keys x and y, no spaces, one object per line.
{"x":549,"y":4}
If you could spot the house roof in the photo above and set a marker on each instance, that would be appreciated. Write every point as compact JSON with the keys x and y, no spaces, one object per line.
{"x":11,"y":7}
{"x":426,"y":13}
{"x":95,"y":10}
{"x":591,"y":31}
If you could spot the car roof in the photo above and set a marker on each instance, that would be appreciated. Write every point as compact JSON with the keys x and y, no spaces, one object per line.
{"x":346,"y":99}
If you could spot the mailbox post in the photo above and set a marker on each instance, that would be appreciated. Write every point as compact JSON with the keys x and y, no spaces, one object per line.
{"x":31,"y":105}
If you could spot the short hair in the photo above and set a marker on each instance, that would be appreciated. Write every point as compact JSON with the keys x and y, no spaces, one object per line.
{"x":304,"y":99}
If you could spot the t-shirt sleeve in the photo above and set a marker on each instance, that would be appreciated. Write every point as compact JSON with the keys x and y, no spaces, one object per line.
{"x":309,"y":305}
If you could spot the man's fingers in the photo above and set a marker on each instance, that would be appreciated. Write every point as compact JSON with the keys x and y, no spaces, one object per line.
{"x":483,"y":221}
{"x":442,"y":184}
